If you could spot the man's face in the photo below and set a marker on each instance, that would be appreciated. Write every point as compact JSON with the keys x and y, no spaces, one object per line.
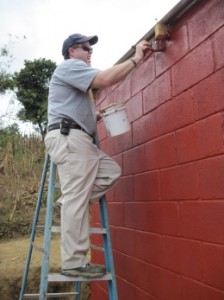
{"x":83,"y":52}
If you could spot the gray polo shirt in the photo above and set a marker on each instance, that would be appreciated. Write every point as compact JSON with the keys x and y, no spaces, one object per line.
{"x":68,"y":94}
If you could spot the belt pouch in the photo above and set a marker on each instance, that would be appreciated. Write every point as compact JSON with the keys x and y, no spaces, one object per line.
{"x":65,"y":126}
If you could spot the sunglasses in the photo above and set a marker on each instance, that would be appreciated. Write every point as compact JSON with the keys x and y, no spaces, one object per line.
{"x":84,"y":47}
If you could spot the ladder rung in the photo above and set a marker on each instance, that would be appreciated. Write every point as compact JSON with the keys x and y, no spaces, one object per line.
{"x":96,"y":230}
{"x":58,"y":277}
{"x":56,"y":229}
{"x":40,"y":227}
{"x":53,"y":295}
{"x":97,"y":248}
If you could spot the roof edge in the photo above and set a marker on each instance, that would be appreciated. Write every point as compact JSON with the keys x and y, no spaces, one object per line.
{"x":181,"y":8}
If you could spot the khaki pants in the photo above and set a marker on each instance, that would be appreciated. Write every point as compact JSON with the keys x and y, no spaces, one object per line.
{"x":85,"y":174}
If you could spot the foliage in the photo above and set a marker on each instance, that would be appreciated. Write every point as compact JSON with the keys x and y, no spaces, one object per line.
{"x":32,"y":91}
{"x":6,"y":79}
{"x":21,"y":161}
{"x":21,"y":167}
{"x":10,"y":132}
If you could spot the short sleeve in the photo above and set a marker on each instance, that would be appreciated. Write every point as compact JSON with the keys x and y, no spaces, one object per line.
{"x":78,"y":74}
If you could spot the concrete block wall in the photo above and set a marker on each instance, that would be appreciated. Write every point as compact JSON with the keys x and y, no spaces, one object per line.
{"x":167,"y":210}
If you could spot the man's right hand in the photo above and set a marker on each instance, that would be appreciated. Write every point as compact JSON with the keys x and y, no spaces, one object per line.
{"x":141,"y":48}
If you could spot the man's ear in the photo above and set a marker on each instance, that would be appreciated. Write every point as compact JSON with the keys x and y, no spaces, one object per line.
{"x":71,"y":52}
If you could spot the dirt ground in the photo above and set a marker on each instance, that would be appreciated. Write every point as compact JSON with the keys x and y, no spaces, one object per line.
{"x":13,"y":254}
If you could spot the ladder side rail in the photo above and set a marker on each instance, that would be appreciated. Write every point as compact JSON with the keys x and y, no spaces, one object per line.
{"x":78,"y":290}
{"x":108,"y":249}
{"x":34,"y":226}
{"x":47,"y":233}
{"x":112,"y":285}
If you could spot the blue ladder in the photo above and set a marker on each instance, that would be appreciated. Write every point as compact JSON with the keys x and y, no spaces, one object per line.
{"x":45,"y":276}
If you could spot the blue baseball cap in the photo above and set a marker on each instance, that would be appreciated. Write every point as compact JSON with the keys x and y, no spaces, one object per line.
{"x":77,"y":38}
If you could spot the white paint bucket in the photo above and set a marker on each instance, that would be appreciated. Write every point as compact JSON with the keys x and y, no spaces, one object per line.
{"x":115,"y":119}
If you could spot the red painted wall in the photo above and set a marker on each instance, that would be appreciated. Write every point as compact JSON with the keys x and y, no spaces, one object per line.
{"x":167,"y":210}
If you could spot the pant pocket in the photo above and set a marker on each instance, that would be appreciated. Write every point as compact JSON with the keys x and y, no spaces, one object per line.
{"x":57,"y":146}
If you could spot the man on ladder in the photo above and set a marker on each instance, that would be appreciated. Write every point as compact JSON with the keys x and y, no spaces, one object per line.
{"x":85,"y":172}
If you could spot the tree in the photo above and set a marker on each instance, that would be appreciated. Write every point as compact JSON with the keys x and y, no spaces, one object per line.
{"x":8,"y":133}
{"x":6,"y":80}
{"x":7,"y":60}
{"x":32,"y":84}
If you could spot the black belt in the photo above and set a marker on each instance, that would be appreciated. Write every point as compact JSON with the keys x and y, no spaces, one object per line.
{"x":58,"y":126}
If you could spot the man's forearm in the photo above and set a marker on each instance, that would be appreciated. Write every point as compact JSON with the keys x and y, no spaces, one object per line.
{"x":113,"y":74}
{"x":118,"y":72}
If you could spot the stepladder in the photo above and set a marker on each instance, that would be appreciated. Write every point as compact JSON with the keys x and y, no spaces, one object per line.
{"x":46,"y":278}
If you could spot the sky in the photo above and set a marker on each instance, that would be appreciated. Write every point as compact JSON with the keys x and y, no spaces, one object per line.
{"x":36,"y":29}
